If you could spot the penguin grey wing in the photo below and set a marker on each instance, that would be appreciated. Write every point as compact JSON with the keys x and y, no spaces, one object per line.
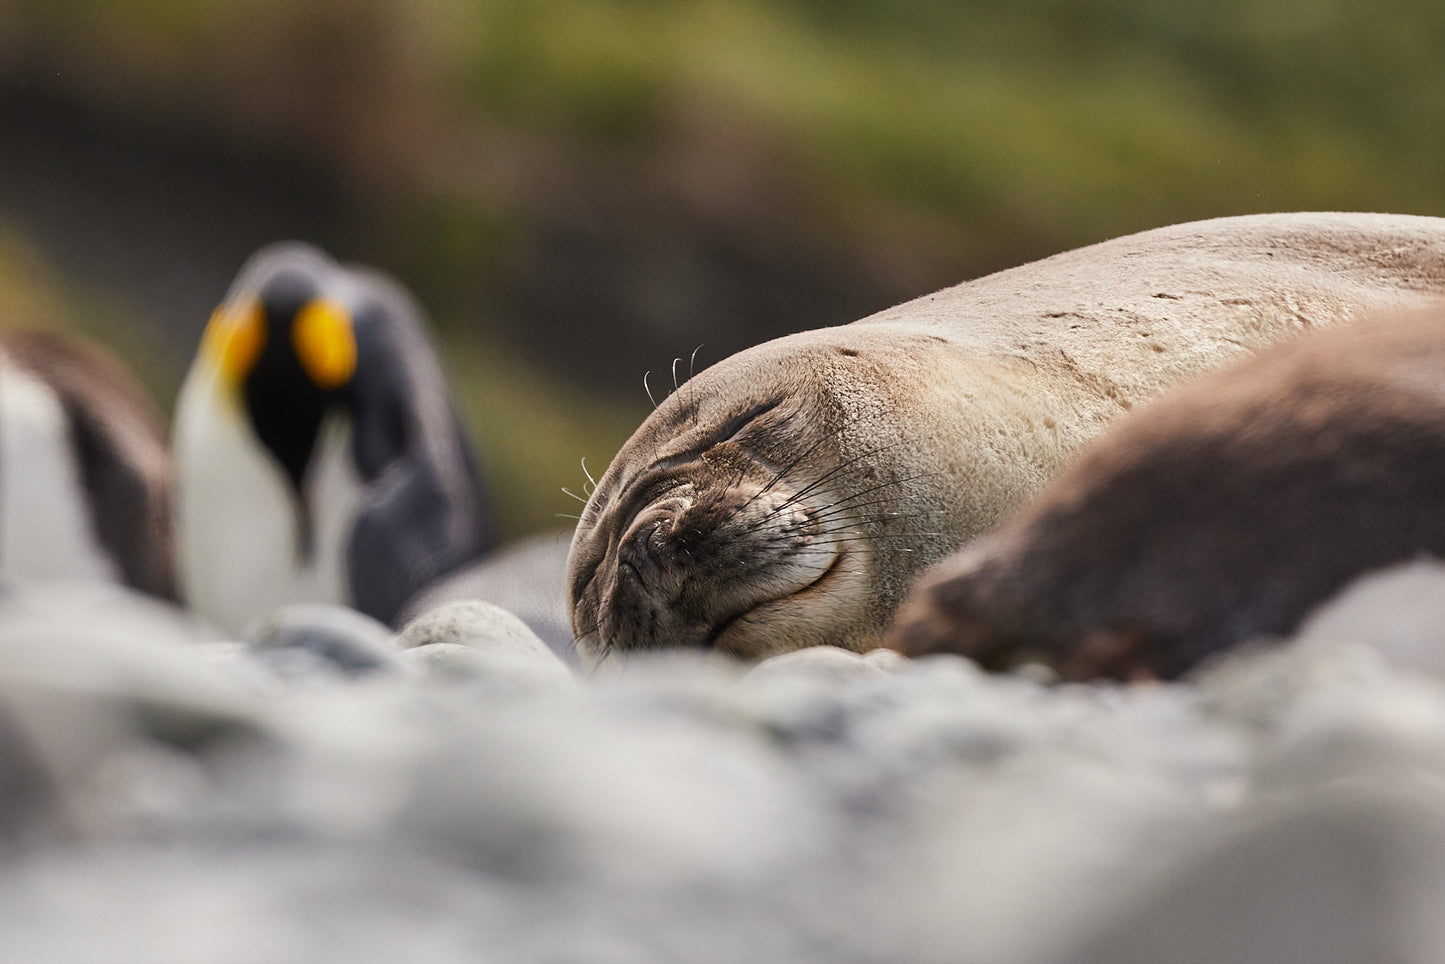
{"x":425,"y":510}
{"x":118,"y":443}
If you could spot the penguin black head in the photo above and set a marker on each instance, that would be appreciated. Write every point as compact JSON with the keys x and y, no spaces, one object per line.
{"x":292,"y":353}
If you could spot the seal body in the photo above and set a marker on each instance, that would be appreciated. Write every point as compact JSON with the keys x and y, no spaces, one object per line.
{"x":85,"y":473}
{"x":1222,"y":512}
{"x":789,"y":495}
{"x":318,"y":454}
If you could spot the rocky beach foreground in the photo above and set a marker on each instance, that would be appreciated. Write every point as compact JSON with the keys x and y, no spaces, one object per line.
{"x":321,"y":792}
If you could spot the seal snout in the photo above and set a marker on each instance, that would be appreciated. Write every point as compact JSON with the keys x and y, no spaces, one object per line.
{"x":699,"y":567}
{"x":649,"y":546}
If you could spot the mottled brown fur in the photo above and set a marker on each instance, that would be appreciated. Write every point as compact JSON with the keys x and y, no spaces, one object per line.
{"x":1222,"y":512}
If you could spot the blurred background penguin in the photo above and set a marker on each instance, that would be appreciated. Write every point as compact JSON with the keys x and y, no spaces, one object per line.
{"x":318,"y":455}
{"x":85,"y":474}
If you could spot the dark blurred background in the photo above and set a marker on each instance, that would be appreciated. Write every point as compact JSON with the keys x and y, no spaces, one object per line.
{"x":582,"y":190}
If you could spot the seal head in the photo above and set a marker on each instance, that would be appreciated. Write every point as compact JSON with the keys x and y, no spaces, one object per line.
{"x":795,"y":513}
{"x":722,"y":540}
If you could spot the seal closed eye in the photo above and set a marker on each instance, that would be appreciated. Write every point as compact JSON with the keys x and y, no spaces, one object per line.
{"x":741,"y":421}
{"x":788,"y":495}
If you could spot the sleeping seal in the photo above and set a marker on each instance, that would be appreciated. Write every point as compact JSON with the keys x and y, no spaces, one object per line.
{"x":1223,"y":512}
{"x":789,"y":495}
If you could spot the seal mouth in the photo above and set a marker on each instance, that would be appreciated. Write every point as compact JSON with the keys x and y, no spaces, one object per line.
{"x":731,"y":625}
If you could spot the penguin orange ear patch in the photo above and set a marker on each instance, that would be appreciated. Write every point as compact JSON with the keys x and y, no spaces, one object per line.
{"x":234,"y":339}
{"x":325,"y":343}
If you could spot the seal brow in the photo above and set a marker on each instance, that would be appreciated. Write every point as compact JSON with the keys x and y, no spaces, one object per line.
{"x":734,"y":426}
{"x":728,"y":430}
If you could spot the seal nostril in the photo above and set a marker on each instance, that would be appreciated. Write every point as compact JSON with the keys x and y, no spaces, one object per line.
{"x":645,"y":543}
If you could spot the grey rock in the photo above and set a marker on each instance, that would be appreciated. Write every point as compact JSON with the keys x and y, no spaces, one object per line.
{"x":1342,"y":878}
{"x":527,"y":578}
{"x":475,"y":639}
{"x":1399,"y":611}
{"x":91,"y":675}
{"x":308,"y":639}
{"x":817,"y":662}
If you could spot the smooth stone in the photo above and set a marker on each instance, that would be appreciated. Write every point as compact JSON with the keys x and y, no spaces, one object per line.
{"x":1342,"y":878}
{"x":1398,"y":611}
{"x":92,"y":674}
{"x":472,"y":638}
{"x":319,"y":639}
{"x":459,"y":664}
{"x":527,"y":578}
{"x":823,"y":663}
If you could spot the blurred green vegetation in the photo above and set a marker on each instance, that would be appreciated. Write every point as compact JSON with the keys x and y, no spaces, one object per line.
{"x":34,"y":296}
{"x":1073,"y":119}
{"x":1063,"y":120}
{"x":910,"y":143}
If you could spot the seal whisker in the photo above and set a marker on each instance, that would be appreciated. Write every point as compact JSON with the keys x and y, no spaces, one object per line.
{"x":693,"y":400}
{"x":850,"y":501}
{"x":841,"y":514}
{"x":782,"y":473}
{"x":826,"y":476}
{"x":603,"y":655}
{"x":840,"y":505}
{"x":832,"y":523}
{"x":870,"y":540}
{"x":646,"y":388}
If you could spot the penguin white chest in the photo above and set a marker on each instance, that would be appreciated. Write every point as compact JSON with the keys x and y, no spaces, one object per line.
{"x":241,"y":526}
{"x":45,"y":523}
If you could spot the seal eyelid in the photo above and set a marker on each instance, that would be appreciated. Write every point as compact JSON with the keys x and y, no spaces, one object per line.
{"x":735,"y":425}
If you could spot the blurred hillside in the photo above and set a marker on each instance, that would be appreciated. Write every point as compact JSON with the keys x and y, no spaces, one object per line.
{"x":581,"y":190}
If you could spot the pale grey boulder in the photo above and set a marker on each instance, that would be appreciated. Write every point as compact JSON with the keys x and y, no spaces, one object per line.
{"x":1398,"y":611}
{"x":473,"y":639}
{"x":110,"y":709}
{"x":822,"y":663}
{"x":1341,"y":878}
{"x":302,"y":640}
{"x":527,"y":578}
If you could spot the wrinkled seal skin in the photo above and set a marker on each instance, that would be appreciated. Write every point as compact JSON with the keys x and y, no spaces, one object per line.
{"x":1221,"y":513}
{"x":788,"y":495}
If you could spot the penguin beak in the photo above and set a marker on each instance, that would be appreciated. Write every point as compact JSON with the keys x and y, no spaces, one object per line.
{"x":324,"y":340}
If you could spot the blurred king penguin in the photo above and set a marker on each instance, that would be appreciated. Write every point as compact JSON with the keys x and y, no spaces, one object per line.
{"x":318,"y":455}
{"x":85,"y":475}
